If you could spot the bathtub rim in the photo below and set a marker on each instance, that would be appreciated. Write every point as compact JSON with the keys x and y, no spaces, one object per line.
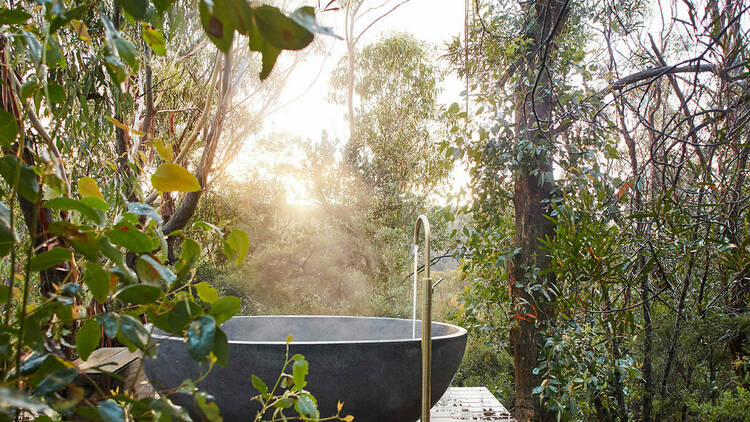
{"x":459,"y":331}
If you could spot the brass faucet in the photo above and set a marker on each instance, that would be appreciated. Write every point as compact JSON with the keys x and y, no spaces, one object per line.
{"x":426,"y":318}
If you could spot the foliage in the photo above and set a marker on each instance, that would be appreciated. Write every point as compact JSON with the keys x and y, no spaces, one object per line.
{"x":94,"y":264}
{"x":648,"y":254}
{"x":293,"y":394}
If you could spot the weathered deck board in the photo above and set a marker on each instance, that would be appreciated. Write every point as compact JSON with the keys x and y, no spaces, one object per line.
{"x":469,"y":404}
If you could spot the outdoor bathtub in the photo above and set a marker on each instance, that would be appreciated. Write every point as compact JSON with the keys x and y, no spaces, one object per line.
{"x":372,"y":365}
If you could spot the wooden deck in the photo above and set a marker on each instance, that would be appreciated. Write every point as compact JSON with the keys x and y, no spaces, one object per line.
{"x":469,"y":404}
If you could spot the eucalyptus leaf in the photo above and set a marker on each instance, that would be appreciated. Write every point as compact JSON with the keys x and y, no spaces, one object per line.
{"x":8,"y":129}
{"x":50,"y":258}
{"x":139,"y":294}
{"x":200,"y":337}
{"x":87,"y":338}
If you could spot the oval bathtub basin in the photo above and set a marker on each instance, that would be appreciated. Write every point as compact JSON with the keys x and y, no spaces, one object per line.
{"x":372,"y":365}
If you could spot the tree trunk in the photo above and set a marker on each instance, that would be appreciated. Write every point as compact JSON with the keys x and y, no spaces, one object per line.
{"x":532,"y":195}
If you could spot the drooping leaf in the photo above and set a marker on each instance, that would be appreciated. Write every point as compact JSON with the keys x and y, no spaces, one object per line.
{"x":49,"y":259}
{"x":127,"y":52}
{"x":221,"y":347}
{"x":116,"y":68}
{"x":87,"y":338}
{"x":200,"y":337}
{"x":139,"y":294}
{"x":128,"y":236}
{"x":97,"y":280}
{"x":11,"y":398}
{"x":220,"y":32}
{"x":138,"y":9}
{"x":170,"y":177}
{"x":299,"y":372}
{"x":155,"y":40}
{"x":225,"y":308}
{"x":206,"y":293}
{"x":88,"y":188}
{"x":8,"y":128}
{"x":165,"y":151}
{"x":81,"y":30}
{"x":238,"y":246}
{"x":110,"y":411}
{"x":70,"y":204}
{"x":7,"y":236}
{"x":28,"y":186}
{"x":110,"y":251}
{"x":134,"y":334}
{"x":280,"y":30}
{"x":13,"y":16}
{"x":305,"y":17}
{"x":151,"y":271}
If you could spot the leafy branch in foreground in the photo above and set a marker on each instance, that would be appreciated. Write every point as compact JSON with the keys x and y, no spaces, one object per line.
{"x":293,"y":394}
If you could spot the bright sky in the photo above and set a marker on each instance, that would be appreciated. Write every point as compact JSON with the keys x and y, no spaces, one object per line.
{"x":306,"y":112}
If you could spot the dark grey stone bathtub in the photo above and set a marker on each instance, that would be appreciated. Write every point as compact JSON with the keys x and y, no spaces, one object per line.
{"x":372,"y":365}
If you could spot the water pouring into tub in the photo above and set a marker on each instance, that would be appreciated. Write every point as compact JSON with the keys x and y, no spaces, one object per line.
{"x":377,"y":368}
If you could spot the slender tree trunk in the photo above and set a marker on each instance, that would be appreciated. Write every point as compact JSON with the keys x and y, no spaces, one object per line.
{"x":532,"y":195}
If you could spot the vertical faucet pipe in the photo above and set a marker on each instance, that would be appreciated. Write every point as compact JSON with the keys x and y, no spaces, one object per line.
{"x":426,"y":318}
{"x":414,"y":295}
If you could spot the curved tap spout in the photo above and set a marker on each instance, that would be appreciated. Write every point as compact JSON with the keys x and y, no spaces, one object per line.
{"x":426,"y":317}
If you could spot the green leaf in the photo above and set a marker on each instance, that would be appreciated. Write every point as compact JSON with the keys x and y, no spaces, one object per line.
{"x":165,"y":151}
{"x":87,"y":338}
{"x":88,"y":188}
{"x":181,"y":315}
{"x":170,"y":177}
{"x":11,"y":398}
{"x":200,"y":337}
{"x":307,"y":407}
{"x":110,"y":411}
{"x":128,"y":236}
{"x":56,"y":93}
{"x":49,"y":259}
{"x":8,"y":128}
{"x":221,"y":347}
{"x":56,"y":381}
{"x":139,"y":294}
{"x":225,"y":308}
{"x":239,"y":245}
{"x":110,"y":251}
{"x":279,"y":30}
{"x":189,"y":255}
{"x":13,"y":16}
{"x":138,"y":208}
{"x":108,"y":321}
{"x":219,"y":31}
{"x":305,"y":17}
{"x":155,"y":40}
{"x":7,"y":236}
{"x":259,"y":385}
{"x":134,"y":334}
{"x":83,"y":241}
{"x":127,"y":52}
{"x":97,"y":280}
{"x":69,"y":204}
{"x":207,"y":293}
{"x":299,"y":372}
{"x":116,"y":68}
{"x":151,"y":271}
{"x":210,"y":410}
{"x":138,"y":9}
{"x":28,"y":186}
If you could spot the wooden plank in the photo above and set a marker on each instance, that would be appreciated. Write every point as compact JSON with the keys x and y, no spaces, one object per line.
{"x":460,"y":404}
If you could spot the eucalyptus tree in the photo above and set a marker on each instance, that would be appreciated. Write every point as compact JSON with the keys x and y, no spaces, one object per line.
{"x":647,"y":154}
{"x":86,"y":87}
